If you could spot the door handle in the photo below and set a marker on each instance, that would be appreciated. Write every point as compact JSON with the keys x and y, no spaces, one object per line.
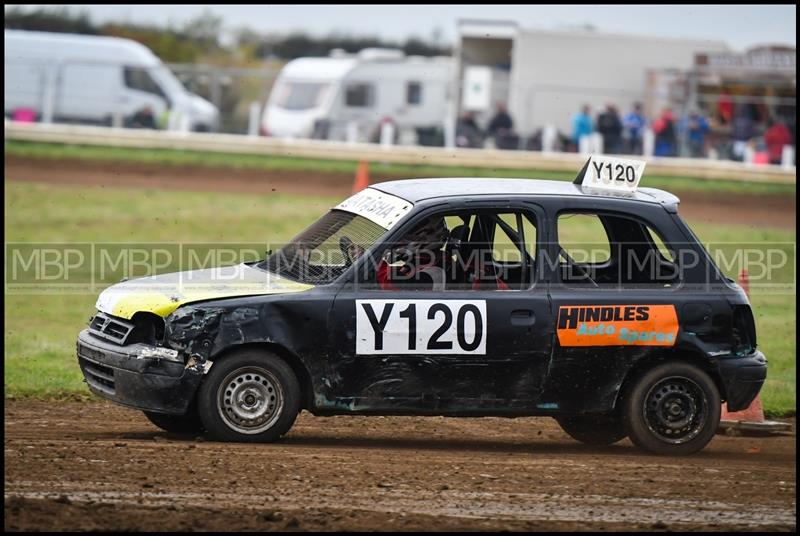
{"x":523,"y":317}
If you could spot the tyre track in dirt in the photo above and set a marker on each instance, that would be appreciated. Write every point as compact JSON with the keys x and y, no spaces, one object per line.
{"x":82,"y":466}
{"x":699,"y":207}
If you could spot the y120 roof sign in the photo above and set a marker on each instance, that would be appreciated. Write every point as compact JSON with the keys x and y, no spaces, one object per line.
{"x":609,"y":173}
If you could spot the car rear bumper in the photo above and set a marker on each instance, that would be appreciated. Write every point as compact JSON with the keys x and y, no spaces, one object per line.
{"x":119,"y":374}
{"x":743,"y":378}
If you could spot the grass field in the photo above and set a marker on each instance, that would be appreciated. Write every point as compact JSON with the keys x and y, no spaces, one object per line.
{"x":40,"y":330}
{"x":169,"y":157}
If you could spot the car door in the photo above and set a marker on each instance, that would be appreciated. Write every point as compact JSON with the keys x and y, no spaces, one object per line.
{"x":467,"y":348}
{"x":614,"y":299}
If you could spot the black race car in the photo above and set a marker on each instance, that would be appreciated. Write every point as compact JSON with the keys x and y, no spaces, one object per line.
{"x":591,"y":302}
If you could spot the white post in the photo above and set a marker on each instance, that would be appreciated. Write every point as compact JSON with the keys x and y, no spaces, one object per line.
{"x":648,"y":142}
{"x":596,"y":143}
{"x":787,"y":157}
{"x":184,"y":124}
{"x":549,"y":136}
{"x":255,"y":116}
{"x":352,"y":132}
{"x":174,"y":120}
{"x":117,"y":119}
{"x":49,"y":96}
{"x":387,"y":134}
{"x":749,"y":153}
{"x":584,"y":145}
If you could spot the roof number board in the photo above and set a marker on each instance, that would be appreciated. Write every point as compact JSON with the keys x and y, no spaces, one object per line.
{"x":609,"y":173}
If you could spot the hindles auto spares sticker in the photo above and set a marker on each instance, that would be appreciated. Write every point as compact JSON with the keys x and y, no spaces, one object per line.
{"x":617,"y":325}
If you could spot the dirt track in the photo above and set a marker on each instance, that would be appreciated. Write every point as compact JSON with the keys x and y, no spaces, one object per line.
{"x":768,"y":211}
{"x":94,"y":466}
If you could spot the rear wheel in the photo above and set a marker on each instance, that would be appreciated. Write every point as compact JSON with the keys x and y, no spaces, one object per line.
{"x":596,"y":430}
{"x":250,"y":396}
{"x":673,"y":408}
{"x":177,"y":424}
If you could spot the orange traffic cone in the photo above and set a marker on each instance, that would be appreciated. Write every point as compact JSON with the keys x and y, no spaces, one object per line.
{"x":750,"y":419}
{"x":362,"y":177}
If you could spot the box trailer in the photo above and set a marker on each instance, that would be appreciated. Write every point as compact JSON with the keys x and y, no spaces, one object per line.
{"x":544,"y":76}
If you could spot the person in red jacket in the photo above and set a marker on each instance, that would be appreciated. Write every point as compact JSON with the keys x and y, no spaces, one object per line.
{"x":776,"y":136}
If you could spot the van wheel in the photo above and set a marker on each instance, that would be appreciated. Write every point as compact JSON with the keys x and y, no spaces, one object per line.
{"x":249,"y":396}
{"x":595,"y":430}
{"x":176,"y":424}
{"x":673,"y":408}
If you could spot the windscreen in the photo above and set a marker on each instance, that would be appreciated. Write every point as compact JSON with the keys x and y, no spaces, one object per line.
{"x":322,"y":252}
{"x":300,"y":95}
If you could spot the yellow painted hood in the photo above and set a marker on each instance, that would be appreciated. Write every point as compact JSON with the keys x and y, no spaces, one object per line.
{"x":162,"y":294}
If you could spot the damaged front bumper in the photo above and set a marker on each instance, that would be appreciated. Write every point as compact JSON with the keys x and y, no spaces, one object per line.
{"x":137,"y":375}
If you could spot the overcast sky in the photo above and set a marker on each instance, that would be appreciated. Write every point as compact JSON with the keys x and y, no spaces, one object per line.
{"x":739,"y":25}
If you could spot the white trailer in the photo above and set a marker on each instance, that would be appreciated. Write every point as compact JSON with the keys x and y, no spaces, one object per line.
{"x":95,"y":79}
{"x":348,"y":96}
{"x":544,"y":77}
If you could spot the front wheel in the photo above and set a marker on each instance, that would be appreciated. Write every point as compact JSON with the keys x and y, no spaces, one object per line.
{"x":595,"y":430}
{"x":673,"y":408}
{"x":249,"y":396}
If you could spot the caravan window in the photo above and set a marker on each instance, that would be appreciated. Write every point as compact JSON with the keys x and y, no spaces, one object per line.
{"x":359,"y":95}
{"x":300,"y":95}
{"x":140,"y":79}
{"x":414,"y":93}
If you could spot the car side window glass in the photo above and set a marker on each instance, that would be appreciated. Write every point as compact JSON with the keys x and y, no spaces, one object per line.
{"x":659,"y":243}
{"x":584,"y":238}
{"x":480,"y":250}
{"x":601,"y":250}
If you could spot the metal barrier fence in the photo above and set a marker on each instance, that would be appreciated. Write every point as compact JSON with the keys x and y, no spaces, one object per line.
{"x":316,"y":149}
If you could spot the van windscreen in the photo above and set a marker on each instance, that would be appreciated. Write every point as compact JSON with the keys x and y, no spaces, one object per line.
{"x":300,"y":95}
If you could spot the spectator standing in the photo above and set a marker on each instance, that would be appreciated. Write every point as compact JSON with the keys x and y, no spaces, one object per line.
{"x":501,"y":128}
{"x":776,"y":136}
{"x":743,"y":130}
{"x":633,"y":130}
{"x":468,"y":134}
{"x":664,"y":128}
{"x":696,"y":128}
{"x":582,"y":124}
{"x":610,"y":127}
{"x":725,"y":107}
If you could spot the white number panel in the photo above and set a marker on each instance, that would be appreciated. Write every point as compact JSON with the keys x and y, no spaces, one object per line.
{"x":421,"y":327}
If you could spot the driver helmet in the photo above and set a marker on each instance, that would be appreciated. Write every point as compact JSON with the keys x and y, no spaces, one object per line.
{"x":428,"y":238}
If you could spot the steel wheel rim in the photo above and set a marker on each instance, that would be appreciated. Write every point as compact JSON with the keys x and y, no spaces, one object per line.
{"x":675,"y":410}
{"x":250,"y":400}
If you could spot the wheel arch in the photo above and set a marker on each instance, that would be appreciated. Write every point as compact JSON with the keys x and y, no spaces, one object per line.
{"x":686,"y":355}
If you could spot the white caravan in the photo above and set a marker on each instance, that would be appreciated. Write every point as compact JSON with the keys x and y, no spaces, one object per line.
{"x":347,"y":96}
{"x":93,"y":79}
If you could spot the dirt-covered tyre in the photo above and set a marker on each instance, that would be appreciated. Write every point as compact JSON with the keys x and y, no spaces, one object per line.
{"x":176,"y":424}
{"x":249,"y":396}
{"x":673,"y":408}
{"x":595,"y":430}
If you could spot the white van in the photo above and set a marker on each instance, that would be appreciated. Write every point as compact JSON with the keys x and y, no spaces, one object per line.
{"x":95,"y":80}
{"x":346,"y":96}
